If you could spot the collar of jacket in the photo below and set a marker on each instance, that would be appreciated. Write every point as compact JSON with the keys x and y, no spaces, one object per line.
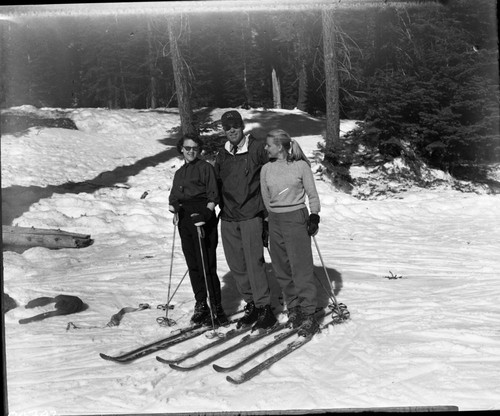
{"x":242,"y":146}
{"x":193,"y":162}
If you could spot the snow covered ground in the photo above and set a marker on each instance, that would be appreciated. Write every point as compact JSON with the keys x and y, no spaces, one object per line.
{"x":427,"y":337}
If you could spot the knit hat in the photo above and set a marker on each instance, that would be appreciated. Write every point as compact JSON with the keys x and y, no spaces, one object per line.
{"x":231,"y":117}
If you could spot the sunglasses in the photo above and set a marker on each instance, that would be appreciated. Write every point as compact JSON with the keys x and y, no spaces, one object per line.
{"x":189,"y":148}
{"x":229,"y":126}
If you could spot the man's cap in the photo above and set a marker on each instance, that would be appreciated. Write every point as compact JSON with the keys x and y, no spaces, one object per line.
{"x":231,"y":117}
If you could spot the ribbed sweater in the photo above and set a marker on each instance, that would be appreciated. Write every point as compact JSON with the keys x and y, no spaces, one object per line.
{"x":285,"y":186}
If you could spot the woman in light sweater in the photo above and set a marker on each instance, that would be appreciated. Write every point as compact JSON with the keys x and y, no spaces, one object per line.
{"x":286,"y":181}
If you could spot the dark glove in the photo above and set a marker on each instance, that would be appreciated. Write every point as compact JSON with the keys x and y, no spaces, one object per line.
{"x":174,"y":207}
{"x":203,"y":216}
{"x":313,"y":225}
{"x":265,"y":233}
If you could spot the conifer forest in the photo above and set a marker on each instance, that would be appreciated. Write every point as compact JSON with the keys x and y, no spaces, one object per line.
{"x":424,"y":75}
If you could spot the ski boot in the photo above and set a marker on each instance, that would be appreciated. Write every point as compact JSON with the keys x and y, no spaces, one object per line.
{"x":251,"y":315}
{"x":295,"y":317}
{"x":309,"y":326}
{"x":201,"y":313}
{"x":266,"y":319}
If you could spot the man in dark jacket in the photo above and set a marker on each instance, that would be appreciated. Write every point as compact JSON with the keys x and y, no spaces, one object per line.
{"x":237,"y":167}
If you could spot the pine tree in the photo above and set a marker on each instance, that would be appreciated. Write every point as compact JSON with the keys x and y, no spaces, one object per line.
{"x":432,"y":87}
{"x":181,"y":76}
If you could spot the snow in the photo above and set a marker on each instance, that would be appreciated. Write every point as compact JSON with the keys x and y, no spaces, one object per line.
{"x":418,"y":272}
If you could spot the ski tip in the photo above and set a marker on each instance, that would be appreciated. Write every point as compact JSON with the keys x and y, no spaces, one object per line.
{"x":114,"y":359}
{"x":177,"y":367}
{"x":163,"y":360}
{"x":218,"y":368}
{"x":234,"y":380}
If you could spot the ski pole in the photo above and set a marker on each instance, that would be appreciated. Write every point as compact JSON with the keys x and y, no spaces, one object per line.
{"x":200,"y":236}
{"x":177,"y":288}
{"x":164,"y":306}
{"x":339,"y":308}
{"x":166,"y":321}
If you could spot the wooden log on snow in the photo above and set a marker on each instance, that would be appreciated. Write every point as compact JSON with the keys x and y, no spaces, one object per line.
{"x":33,"y":237}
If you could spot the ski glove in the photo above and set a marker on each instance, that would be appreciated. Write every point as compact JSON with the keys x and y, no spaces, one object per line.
{"x":313,"y":225}
{"x":265,"y":233}
{"x":202,"y":217}
{"x":174,"y":207}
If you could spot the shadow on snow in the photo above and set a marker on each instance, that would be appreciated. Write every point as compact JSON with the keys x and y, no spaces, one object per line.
{"x":231,"y":299}
{"x":17,"y":199}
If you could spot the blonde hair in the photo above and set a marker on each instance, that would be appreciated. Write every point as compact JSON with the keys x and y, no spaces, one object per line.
{"x":290,"y":146}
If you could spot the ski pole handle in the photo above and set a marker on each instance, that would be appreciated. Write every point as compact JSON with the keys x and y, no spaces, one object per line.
{"x":197,"y":219}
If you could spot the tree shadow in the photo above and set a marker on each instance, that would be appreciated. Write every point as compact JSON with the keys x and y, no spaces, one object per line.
{"x":262,"y":121}
{"x":203,"y":117}
{"x":324,"y":284}
{"x":231,"y":297}
{"x":17,"y":200}
{"x":277,"y":302}
{"x":295,"y":124}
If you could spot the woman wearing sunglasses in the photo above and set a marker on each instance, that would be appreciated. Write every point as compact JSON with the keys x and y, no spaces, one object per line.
{"x":192,"y":199}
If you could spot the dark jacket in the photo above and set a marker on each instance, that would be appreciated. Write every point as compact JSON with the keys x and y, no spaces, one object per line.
{"x":238,"y":177}
{"x":194,"y":183}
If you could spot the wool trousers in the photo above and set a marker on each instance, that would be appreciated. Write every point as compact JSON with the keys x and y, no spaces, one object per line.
{"x":291,"y":253}
{"x":191,"y":249}
{"x":244,"y":251}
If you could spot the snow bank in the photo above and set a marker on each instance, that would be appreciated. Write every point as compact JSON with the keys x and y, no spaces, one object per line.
{"x":418,"y":272}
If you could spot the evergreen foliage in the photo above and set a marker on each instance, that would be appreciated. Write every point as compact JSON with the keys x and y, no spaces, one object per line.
{"x":424,"y":79}
{"x":432,"y":91}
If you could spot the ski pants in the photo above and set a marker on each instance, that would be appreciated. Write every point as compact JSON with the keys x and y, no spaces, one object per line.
{"x":291,"y":253}
{"x":244,"y":251}
{"x":191,"y":249}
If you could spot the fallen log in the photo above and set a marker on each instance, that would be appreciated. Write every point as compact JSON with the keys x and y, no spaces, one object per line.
{"x":32,"y":237}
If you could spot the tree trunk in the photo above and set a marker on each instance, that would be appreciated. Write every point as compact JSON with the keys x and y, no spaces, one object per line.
{"x":32,"y":237}
{"x":331,"y":77}
{"x":153,"y":91}
{"x":246,"y":43}
{"x":153,"y":102}
{"x":302,"y":75}
{"x":276,"y":90}
{"x":302,"y":94}
{"x":109,"y":93}
{"x":116,"y":93}
{"x":181,"y":79}
{"x":123,"y":86}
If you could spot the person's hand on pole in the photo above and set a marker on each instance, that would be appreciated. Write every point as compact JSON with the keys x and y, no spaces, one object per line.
{"x":313,"y":225}
{"x":174,"y":209}
{"x":202,"y":217}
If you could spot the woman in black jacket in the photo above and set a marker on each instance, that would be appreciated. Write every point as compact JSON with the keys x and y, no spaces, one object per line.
{"x":192,"y":199}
